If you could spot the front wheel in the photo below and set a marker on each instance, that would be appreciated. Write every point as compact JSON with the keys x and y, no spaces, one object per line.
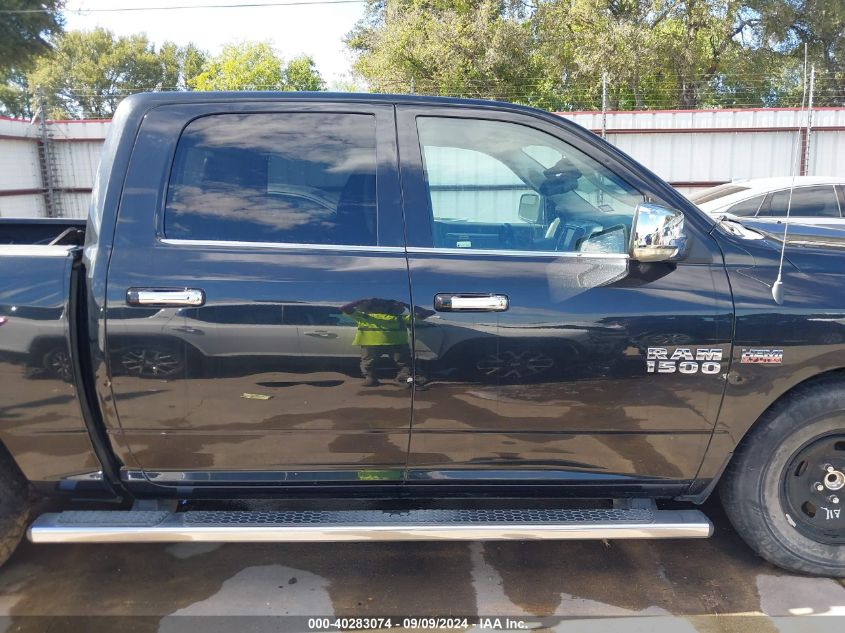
{"x":784,"y":490}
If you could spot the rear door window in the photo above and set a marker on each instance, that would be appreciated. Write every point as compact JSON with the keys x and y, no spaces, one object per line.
{"x":807,"y":202}
{"x":747,"y":208}
{"x":301,"y":178}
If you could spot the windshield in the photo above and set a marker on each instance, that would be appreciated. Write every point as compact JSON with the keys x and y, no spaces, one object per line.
{"x":714,"y":193}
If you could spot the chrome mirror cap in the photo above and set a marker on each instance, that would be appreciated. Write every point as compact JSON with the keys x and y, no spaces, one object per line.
{"x":658,"y":234}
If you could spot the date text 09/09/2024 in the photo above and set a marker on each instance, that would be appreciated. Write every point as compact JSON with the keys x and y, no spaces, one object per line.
{"x":493,"y":623}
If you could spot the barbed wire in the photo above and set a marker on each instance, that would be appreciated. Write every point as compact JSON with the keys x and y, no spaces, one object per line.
{"x":247,"y":5}
{"x":570,"y":87}
{"x":734,"y":91}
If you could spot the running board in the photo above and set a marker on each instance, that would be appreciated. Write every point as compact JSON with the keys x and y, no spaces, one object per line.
{"x":154,"y":526}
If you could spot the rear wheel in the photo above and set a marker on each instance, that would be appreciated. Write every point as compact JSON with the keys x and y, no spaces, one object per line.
{"x":784,"y":490}
{"x":14,"y":505}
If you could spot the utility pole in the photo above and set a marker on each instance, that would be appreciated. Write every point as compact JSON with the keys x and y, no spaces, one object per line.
{"x":46,"y":160}
{"x":604,"y":105}
{"x":809,"y":120}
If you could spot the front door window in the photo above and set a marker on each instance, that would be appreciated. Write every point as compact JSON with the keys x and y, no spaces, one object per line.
{"x":495,"y":185}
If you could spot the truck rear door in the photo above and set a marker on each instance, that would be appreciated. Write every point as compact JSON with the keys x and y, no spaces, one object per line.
{"x":258,"y":296}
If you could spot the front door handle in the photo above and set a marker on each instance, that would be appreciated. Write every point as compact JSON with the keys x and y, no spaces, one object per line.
{"x":165,"y":297}
{"x":321,"y":334}
{"x":470,"y":302}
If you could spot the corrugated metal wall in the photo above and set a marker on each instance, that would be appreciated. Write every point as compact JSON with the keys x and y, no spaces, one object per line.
{"x":696,"y":148}
{"x":75,"y":148}
{"x":689,"y":148}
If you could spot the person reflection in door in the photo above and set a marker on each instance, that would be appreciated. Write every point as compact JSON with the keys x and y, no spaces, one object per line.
{"x":382,"y":332}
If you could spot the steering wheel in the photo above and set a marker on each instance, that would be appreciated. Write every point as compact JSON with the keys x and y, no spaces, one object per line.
{"x":506,"y":236}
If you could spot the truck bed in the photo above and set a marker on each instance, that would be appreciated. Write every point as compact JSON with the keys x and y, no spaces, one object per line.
{"x":42,"y":423}
{"x":41,"y":231}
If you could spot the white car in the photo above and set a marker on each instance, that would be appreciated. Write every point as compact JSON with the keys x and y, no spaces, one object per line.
{"x":815,"y":200}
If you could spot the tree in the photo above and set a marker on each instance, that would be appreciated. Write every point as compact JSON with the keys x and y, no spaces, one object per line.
{"x":247,"y":66}
{"x":820,"y":24}
{"x":582,"y":41}
{"x":700,"y":36}
{"x":468,"y":48}
{"x":301,"y":74}
{"x":90,"y":72}
{"x":23,"y":38}
{"x":256,"y":66}
{"x":554,"y":53}
{"x":180,"y":65}
{"x":15,"y":96}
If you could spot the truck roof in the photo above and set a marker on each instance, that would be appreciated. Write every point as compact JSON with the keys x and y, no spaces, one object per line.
{"x":148,"y":99}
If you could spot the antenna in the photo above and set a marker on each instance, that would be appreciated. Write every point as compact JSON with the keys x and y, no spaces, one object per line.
{"x":777,"y":287}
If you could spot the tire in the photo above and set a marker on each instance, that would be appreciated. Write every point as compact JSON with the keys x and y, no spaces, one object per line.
{"x":772,"y":470}
{"x":14,"y":505}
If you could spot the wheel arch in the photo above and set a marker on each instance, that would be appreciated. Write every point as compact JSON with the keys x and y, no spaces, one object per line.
{"x":8,"y":458}
{"x":724,"y":443}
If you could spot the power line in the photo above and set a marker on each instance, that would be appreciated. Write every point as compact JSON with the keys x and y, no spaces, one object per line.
{"x":248,"y":5}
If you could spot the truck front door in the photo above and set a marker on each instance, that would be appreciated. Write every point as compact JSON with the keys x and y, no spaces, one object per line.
{"x":277,"y":241}
{"x":534,"y":331}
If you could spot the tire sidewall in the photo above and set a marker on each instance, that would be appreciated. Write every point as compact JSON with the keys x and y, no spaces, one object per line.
{"x":14,"y":505}
{"x":789,"y":433}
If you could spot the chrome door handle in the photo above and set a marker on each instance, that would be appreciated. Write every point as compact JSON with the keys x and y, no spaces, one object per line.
{"x":165,"y":297}
{"x":470,"y":303}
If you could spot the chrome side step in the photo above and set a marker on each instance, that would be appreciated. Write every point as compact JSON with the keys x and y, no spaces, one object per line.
{"x":148,"y":526}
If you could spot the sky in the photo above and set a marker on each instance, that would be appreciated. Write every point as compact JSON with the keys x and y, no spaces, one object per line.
{"x":316,"y":30}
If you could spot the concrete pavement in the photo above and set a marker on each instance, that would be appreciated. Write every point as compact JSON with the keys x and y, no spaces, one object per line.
{"x":696,"y":585}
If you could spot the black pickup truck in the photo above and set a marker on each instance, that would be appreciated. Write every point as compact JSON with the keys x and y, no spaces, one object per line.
{"x":302,"y":317}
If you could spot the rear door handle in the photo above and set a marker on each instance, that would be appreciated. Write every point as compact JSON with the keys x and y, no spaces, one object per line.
{"x":444,"y":302}
{"x":165,"y":297}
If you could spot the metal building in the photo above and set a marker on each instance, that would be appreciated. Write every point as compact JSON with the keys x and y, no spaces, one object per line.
{"x":702,"y":148}
{"x":48,"y":170}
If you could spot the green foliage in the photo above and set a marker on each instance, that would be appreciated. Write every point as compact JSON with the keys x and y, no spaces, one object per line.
{"x":91,"y":71}
{"x":248,"y":66}
{"x":256,"y":66}
{"x":818,"y":24}
{"x":14,"y":96}
{"x":180,"y":65}
{"x":554,"y":53}
{"x":442,"y":47}
{"x":26,"y":36}
{"x":301,"y":74}
{"x":88,"y":73}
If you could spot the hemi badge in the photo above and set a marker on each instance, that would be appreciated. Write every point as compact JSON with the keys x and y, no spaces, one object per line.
{"x":762,"y":356}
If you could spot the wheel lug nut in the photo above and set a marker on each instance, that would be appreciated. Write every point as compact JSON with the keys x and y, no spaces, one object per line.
{"x":818,"y":487}
{"x":833,"y":499}
{"x":829,"y":468}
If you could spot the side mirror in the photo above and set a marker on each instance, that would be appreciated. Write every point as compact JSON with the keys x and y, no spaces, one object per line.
{"x":529,"y":208}
{"x":658,"y":234}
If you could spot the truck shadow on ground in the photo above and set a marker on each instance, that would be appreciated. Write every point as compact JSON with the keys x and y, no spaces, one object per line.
{"x":681,"y":583}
